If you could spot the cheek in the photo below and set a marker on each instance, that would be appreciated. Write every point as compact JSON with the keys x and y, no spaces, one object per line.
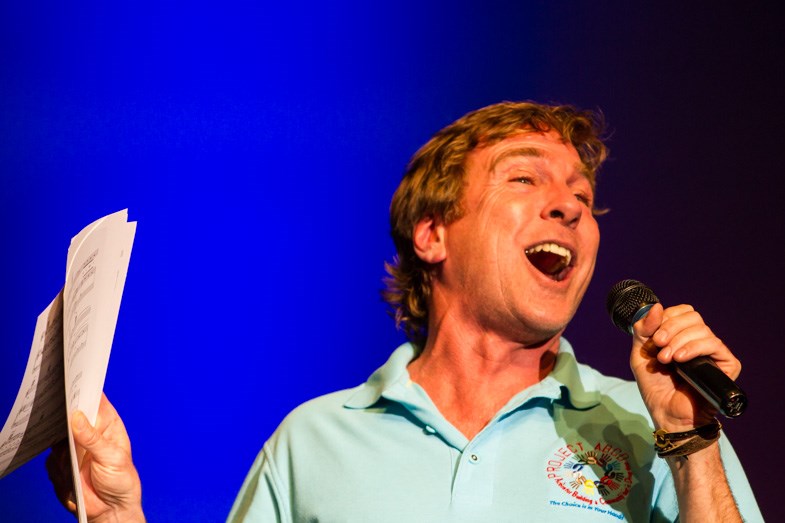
{"x":492,"y":226}
{"x":591,"y":246}
{"x":591,"y":233}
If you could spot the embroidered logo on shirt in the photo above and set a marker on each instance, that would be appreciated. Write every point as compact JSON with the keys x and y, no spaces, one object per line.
{"x":593,"y":476}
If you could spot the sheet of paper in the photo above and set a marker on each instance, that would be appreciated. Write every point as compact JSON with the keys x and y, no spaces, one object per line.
{"x":95,"y":276}
{"x":69,"y":355}
{"x":38,"y":416}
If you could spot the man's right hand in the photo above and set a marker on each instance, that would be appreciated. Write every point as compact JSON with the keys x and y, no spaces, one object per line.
{"x":110,"y":483}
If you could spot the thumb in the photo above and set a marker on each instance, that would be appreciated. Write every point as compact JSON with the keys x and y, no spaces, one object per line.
{"x":645,"y":328}
{"x":85,"y":434}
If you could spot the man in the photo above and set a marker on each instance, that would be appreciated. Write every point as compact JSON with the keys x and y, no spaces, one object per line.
{"x":486,"y":415}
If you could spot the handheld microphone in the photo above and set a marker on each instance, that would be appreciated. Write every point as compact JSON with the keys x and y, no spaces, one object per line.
{"x":629,"y":301}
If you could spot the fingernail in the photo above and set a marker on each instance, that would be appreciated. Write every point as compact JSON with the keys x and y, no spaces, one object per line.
{"x":666,"y":353}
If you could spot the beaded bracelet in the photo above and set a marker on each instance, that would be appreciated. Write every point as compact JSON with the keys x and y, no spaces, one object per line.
{"x":681,"y":444}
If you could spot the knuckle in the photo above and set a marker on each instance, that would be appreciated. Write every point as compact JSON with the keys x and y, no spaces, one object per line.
{"x":92,"y":437}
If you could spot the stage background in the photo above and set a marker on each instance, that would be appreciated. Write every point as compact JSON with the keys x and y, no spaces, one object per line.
{"x":257,"y":145}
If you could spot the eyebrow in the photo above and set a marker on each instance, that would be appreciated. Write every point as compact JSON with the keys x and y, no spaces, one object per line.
{"x":533,"y":152}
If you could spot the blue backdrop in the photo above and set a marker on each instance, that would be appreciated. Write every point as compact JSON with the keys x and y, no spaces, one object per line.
{"x":257,"y":145}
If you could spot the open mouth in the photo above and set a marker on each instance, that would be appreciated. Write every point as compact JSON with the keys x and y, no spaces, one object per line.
{"x":550,"y":259}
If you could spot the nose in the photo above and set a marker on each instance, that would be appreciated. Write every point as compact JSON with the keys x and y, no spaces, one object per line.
{"x":564,"y":207}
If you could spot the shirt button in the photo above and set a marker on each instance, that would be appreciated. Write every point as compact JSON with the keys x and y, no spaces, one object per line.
{"x":474,"y":458}
{"x":429,"y":430}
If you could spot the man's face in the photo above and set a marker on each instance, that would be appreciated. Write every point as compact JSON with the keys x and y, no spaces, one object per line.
{"x":520,"y":258}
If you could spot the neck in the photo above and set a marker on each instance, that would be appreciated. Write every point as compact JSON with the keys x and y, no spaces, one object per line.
{"x":471,"y":376}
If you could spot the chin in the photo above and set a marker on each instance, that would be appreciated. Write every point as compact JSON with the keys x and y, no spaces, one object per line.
{"x":548,"y":323}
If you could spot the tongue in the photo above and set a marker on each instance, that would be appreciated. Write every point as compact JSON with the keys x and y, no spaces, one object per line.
{"x":547,"y":262}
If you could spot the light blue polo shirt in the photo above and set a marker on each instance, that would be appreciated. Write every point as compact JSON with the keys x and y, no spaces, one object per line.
{"x":577,"y":446}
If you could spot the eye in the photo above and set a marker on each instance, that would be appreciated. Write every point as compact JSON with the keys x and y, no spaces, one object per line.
{"x":528,"y":180}
{"x":584,"y":199}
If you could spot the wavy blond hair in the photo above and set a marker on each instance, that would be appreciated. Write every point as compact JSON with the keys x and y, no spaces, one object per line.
{"x":433,"y":183}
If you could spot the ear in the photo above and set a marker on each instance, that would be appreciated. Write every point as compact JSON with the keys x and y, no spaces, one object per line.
{"x":428,"y":239}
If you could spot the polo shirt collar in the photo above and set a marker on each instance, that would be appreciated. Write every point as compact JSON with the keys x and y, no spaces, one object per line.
{"x":392,"y":372}
{"x":568,"y":381}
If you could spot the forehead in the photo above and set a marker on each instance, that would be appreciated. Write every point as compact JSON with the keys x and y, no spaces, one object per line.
{"x":546,"y":146}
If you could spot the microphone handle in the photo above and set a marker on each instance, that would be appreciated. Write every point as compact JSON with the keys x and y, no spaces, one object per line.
{"x":706,"y":377}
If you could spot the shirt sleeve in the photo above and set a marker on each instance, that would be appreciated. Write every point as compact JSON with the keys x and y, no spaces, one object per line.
{"x":261,"y":498}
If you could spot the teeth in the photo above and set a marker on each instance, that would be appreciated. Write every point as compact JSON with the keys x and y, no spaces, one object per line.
{"x":553,"y":249}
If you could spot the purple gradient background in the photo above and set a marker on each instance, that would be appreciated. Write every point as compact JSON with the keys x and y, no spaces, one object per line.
{"x":257,"y":145}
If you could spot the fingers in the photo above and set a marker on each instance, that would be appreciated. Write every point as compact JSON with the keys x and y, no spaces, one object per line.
{"x":681,"y":335}
{"x":58,"y":466}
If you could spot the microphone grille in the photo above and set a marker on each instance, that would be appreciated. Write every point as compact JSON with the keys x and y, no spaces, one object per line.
{"x":625,"y":299}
